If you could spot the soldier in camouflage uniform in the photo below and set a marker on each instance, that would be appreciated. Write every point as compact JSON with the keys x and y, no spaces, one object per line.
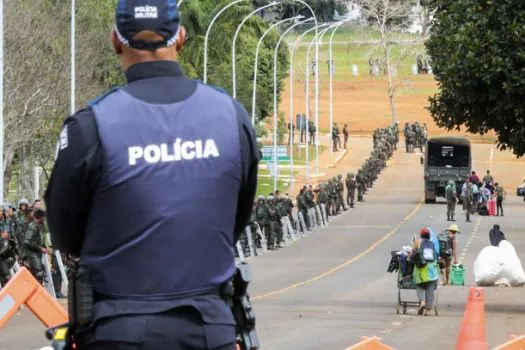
{"x":360,"y":186}
{"x":351,"y":187}
{"x":302,"y":207}
{"x":282,"y":209}
{"x":262,"y":218}
{"x":340,"y":192}
{"x":322,"y":197}
{"x":334,"y":195}
{"x":274,"y":223}
{"x":34,"y":245}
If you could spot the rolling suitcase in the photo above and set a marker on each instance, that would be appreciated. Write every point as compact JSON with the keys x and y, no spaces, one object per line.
{"x":492,"y":207}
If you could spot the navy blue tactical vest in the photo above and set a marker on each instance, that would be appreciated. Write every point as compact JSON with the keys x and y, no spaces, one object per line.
{"x":162,"y":220}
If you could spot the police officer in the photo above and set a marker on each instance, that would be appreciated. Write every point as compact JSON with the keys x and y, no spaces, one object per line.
{"x":133,"y":172}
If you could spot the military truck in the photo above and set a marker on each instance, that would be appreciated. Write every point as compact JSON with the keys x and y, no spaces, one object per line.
{"x":446,"y":159}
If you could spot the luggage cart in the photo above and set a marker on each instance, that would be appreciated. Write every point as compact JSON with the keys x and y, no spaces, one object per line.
{"x":407,"y":283}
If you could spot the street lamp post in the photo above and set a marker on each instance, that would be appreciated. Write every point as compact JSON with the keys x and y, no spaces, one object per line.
{"x":73,"y":57}
{"x":205,"y":80}
{"x":275,"y":111}
{"x":337,"y":25}
{"x":292,"y":60}
{"x":316,"y":138}
{"x":234,"y":44}
{"x":255,"y":68}
{"x":307,"y":77}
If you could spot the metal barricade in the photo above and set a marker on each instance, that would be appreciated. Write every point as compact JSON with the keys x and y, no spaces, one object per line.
{"x":303,"y":224}
{"x":320,"y":218}
{"x":293,"y":235}
{"x":61,"y":267}
{"x":260,"y":232}
{"x":240,"y":251}
{"x":251,"y":243}
{"x":313,"y":218}
{"x":286,"y":231}
{"x":49,"y":277}
{"x":323,"y":212}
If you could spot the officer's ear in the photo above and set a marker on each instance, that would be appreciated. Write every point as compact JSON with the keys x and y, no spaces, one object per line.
{"x":117,"y":45}
{"x":181,"y":39}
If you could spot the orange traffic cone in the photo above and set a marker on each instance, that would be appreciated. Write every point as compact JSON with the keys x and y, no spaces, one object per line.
{"x":472,"y":331}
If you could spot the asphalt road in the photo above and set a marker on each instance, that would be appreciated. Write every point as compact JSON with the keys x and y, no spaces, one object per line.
{"x":330,"y":288}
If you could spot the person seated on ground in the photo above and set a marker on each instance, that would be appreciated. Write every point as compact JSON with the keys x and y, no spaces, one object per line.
{"x":426,"y":272}
{"x":450,"y":255}
{"x":496,"y":236}
{"x":485,"y":194}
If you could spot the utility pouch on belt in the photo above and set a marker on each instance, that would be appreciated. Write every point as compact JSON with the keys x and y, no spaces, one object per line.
{"x":80,"y":299}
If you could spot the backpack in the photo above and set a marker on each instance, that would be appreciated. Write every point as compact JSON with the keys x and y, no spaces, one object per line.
{"x":427,"y":251}
{"x":445,"y":246}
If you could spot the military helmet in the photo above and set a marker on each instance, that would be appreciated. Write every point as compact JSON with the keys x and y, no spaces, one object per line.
{"x":334,"y":179}
{"x":339,"y":176}
{"x":23,"y":201}
{"x":270,"y":198}
{"x":260,"y":198}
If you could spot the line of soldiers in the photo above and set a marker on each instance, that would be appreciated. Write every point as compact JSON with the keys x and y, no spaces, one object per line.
{"x":270,"y":212}
{"x":415,"y":136}
{"x":385,"y":143}
{"x":24,"y":240}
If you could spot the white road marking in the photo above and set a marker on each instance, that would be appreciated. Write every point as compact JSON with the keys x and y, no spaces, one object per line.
{"x":387,"y":330}
{"x":397,"y":323}
{"x":492,"y":154}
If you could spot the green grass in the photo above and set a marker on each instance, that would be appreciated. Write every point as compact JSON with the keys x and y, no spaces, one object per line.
{"x":347,"y":54}
{"x":265,"y":182}
{"x":352,"y":33}
{"x":299,"y":154}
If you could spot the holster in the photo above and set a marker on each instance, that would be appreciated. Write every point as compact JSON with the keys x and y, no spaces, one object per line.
{"x":80,"y":307}
{"x":235,"y":293}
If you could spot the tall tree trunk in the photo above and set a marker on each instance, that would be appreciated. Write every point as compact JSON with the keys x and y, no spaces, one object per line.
{"x":8,"y":161}
{"x":26,"y":175}
{"x":390,"y":77}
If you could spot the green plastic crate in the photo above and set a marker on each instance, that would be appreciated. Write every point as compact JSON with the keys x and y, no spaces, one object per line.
{"x":457,"y":275}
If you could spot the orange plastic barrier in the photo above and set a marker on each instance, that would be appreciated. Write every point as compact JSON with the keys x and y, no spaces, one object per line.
{"x":472,"y":331}
{"x":372,"y":343}
{"x":22,"y":289}
{"x":517,"y":343}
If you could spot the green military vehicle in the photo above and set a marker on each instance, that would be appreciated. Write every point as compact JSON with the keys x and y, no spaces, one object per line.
{"x":446,"y":159}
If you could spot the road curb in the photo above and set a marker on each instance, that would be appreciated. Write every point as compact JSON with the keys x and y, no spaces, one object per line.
{"x":338,"y":159}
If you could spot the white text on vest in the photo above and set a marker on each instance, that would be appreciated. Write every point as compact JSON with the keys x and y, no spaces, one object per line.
{"x":164,"y":153}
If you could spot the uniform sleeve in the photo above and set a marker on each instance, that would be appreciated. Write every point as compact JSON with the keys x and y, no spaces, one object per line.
{"x":68,"y":194}
{"x":250,"y":163}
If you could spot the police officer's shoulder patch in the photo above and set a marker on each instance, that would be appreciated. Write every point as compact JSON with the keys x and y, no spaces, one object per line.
{"x":103,"y":96}
{"x":214,"y":87}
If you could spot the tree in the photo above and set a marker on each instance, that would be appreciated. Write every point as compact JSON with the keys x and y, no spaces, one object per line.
{"x":37,"y":70}
{"x":478,"y":54}
{"x":324,"y":10}
{"x":388,"y":18}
